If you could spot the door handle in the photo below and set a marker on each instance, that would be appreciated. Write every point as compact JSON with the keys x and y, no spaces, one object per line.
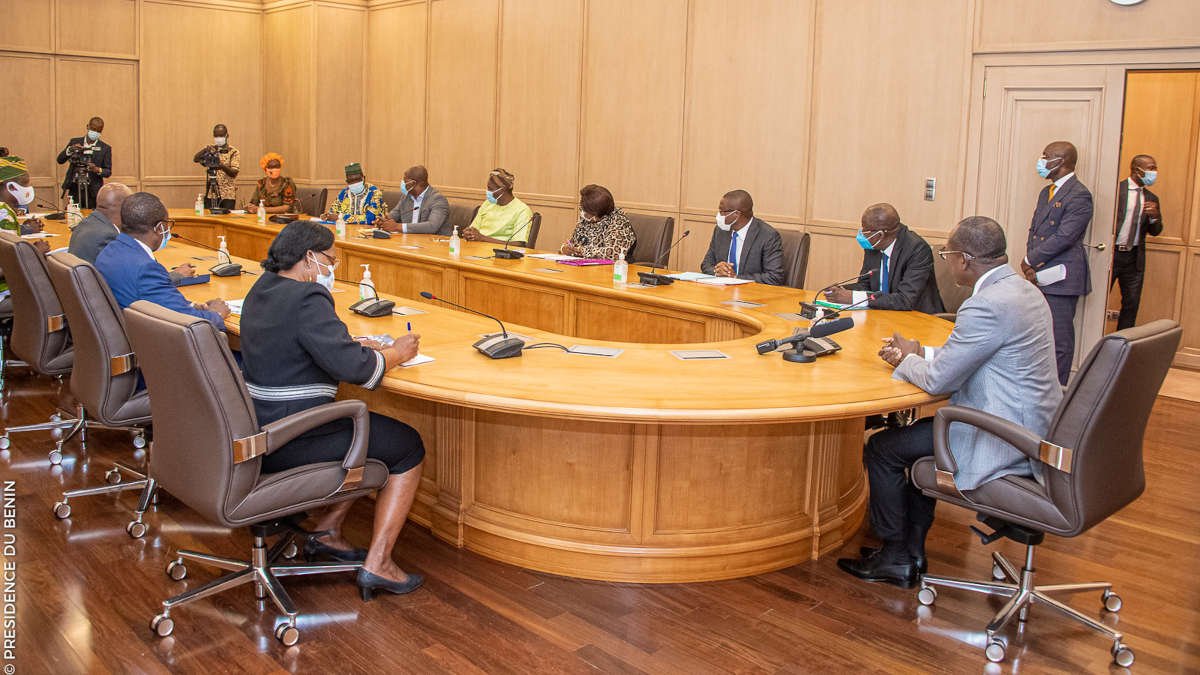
{"x":1099,"y":247}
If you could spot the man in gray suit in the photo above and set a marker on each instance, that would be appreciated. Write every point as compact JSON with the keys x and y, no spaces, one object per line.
{"x":743,"y":246}
{"x":422,"y":209}
{"x":102,"y":225}
{"x":999,"y":359}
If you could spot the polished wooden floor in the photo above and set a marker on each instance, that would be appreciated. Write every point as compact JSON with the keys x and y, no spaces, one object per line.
{"x":86,"y":592}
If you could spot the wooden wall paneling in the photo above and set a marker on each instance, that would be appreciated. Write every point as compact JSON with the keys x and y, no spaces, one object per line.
{"x":88,"y":87}
{"x":748,"y":83}
{"x":28,"y":25}
{"x":890,"y":92}
{"x":341,"y":81}
{"x":395,"y":99}
{"x":1162,"y":285}
{"x":537,"y":138}
{"x":289,"y":89}
{"x":558,"y":222}
{"x":1194,"y":214}
{"x":690,"y":252}
{"x":633,"y":99}
{"x":461,"y":91}
{"x":187,"y":86}
{"x":832,"y":256}
{"x":28,"y":122}
{"x":1034,"y":25}
{"x":1189,"y":317}
{"x":1161,"y":119}
{"x":97,"y":27}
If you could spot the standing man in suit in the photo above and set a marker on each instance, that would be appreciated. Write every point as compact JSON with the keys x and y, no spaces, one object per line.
{"x":91,"y":161}
{"x":127,"y":263}
{"x":422,"y":209}
{"x":900,"y":265}
{"x":1060,"y":221}
{"x":999,"y":359}
{"x":743,"y":246}
{"x":1137,"y":215}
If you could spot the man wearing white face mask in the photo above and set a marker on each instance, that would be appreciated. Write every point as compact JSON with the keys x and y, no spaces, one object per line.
{"x":127,"y":263}
{"x":223,"y":163}
{"x":743,"y":246}
{"x":16,"y":195}
{"x":359,"y":202}
{"x":1138,"y":215}
{"x":90,"y":155}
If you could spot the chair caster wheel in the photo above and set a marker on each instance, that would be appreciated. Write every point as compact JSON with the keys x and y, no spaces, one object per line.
{"x":1122,"y":655}
{"x":1112,"y":601}
{"x":112,"y":476}
{"x":56,"y":418}
{"x":162,"y":625}
{"x":62,"y":510}
{"x":139,"y":441}
{"x":136,"y":529}
{"x":287,"y":634}
{"x":997,"y":573}
{"x":290,"y":551}
{"x":177,"y":570}
{"x":927,"y":596}
{"x":995,"y":650}
{"x":5,"y":442}
{"x":55,"y":457}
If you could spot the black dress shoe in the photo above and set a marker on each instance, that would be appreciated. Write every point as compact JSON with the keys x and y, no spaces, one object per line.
{"x":920,"y":561}
{"x":314,"y":548}
{"x":881,"y":567}
{"x":368,"y":583}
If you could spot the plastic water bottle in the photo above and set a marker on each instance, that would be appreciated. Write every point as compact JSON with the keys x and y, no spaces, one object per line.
{"x":73,"y":215}
{"x":262,"y":213}
{"x":455,"y":243}
{"x":620,"y":272}
{"x":340,"y":226}
{"x":200,"y":204}
{"x":366,"y":287}
{"x":223,"y":251}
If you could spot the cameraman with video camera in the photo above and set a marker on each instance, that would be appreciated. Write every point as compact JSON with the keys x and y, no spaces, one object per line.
{"x":222,"y":163}
{"x":91,"y":163}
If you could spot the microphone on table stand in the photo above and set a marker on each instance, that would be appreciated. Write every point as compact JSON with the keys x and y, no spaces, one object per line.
{"x":651,"y":278}
{"x":502,"y":346}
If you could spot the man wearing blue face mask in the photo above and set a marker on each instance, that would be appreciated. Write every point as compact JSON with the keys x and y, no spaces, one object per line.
{"x":127,"y":263}
{"x":1138,"y":215}
{"x":91,"y":163}
{"x":1054,"y":247}
{"x":422,"y":209}
{"x":359,"y":202}
{"x":897,"y":270}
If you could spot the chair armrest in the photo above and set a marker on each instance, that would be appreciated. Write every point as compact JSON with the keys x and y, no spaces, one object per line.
{"x":281,"y":432}
{"x":1024,"y":440}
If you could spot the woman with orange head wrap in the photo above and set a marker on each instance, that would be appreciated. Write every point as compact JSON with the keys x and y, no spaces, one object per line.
{"x":276,"y":191}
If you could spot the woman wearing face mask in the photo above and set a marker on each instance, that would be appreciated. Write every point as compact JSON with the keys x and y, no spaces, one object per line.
{"x":296,"y":351}
{"x":276,"y":191}
{"x":359,"y":202}
{"x":501,"y":216}
{"x":603,"y":230}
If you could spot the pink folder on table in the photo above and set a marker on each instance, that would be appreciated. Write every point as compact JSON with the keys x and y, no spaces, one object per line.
{"x":585,"y":262}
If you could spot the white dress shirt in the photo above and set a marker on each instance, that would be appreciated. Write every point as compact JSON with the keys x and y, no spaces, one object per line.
{"x":1128,"y":225}
{"x":416,"y":212}
{"x":741,"y":244}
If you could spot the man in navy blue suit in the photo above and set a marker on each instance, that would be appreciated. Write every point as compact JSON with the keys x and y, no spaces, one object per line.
{"x":129,"y":267}
{"x":1060,"y":221}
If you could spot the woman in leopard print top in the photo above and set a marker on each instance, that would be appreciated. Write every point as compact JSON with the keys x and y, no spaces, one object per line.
{"x":603,"y":231}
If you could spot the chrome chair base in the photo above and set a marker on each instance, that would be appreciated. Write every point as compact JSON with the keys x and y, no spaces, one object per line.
{"x":263,"y":570}
{"x":136,"y":528}
{"x":1021,"y":592}
{"x":68,"y":424}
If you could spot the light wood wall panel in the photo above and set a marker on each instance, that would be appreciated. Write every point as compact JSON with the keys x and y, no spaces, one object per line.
{"x":396,"y":98}
{"x":289,"y":89}
{"x":338,"y":127}
{"x":1190,"y":316}
{"x":99,"y":27}
{"x":747,"y":103}
{"x":1036,"y":25}
{"x":891,"y":86}
{"x":633,"y":99}
{"x":28,"y":127}
{"x":461,"y":133}
{"x":111,"y":86}
{"x":27,"y":25}
{"x":540,"y":78}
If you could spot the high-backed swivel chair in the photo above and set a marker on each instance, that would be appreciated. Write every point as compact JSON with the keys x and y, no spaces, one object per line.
{"x":312,"y":200}
{"x":207,"y":453}
{"x":1091,"y":463}
{"x":653,"y":238}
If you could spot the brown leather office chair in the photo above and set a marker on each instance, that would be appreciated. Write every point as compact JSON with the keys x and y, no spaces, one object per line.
{"x":654,"y":235}
{"x":391,"y":198}
{"x":207,"y":453}
{"x":105,"y":378}
{"x":6,"y":321}
{"x":1091,"y":465}
{"x":460,"y":216}
{"x":312,"y":200}
{"x":795,"y":257}
{"x":535,"y":228}
{"x":952,"y":294}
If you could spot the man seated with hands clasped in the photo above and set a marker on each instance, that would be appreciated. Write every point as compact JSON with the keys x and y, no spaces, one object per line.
{"x":743,"y":246}
{"x":999,"y":359}
{"x":900,"y":265}
{"x":422,"y":209}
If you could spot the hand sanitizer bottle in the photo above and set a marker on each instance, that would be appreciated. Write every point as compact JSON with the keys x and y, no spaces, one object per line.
{"x":620,"y":272}
{"x":340,"y":226}
{"x":455,"y":243}
{"x":200,"y":204}
{"x":366,"y":287}
{"x":262,"y":213}
{"x":223,"y":251}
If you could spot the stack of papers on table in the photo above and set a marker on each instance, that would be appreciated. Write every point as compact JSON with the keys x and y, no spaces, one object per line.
{"x":724,"y":281}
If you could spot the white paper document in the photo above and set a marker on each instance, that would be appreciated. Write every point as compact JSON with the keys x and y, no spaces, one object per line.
{"x":551,"y":256}
{"x":723,"y":281}
{"x":235,"y":306}
{"x":1052,"y":275}
{"x":691,"y":276}
{"x":416,"y":361}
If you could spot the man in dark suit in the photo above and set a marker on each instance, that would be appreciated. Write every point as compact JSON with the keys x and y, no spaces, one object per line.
{"x":91,"y":160}
{"x":101,"y":226}
{"x":422,"y":209}
{"x":743,"y":246}
{"x":1137,"y":215}
{"x":1060,"y":221}
{"x":900,"y":265}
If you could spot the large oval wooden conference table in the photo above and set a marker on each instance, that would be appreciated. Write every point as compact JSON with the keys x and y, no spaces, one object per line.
{"x":639,"y":468}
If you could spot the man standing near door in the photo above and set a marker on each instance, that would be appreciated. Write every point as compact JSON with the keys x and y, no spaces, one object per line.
{"x":1138,"y":215}
{"x":1054,"y":247}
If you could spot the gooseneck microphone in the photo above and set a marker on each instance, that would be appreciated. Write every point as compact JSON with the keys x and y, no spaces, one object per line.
{"x":228,"y":268}
{"x":858,"y":277}
{"x":809,"y":310}
{"x":502,"y":346}
{"x":55,"y":213}
{"x":511,"y":254}
{"x":372,"y":307}
{"x":652,"y":279}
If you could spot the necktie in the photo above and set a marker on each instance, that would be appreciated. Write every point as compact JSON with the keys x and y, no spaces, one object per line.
{"x":733,"y":252}
{"x":1050,"y":197}
{"x":1135,"y":225}
{"x":883,"y":278}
